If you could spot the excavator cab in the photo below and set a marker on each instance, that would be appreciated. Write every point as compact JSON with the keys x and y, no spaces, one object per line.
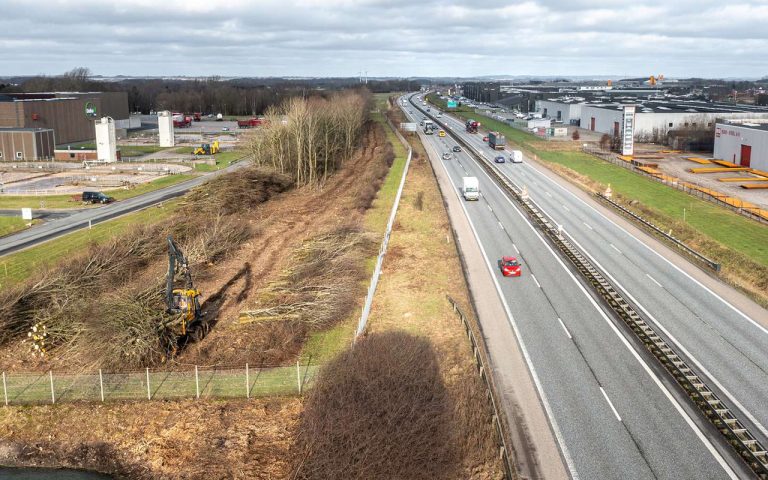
{"x":183,"y":302}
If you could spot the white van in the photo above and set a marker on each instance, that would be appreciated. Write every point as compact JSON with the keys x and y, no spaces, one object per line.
{"x":516,"y":156}
{"x":470,"y":188}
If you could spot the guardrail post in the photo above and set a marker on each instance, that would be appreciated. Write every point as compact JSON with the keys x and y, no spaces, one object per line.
{"x":197,"y":383}
{"x":247,"y":383}
{"x":5,"y":390}
{"x":53,"y":393}
{"x":101,"y":385}
{"x":149,"y":392}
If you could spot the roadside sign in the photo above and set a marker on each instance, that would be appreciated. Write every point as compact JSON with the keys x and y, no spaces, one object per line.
{"x":26,"y":214}
{"x":408,"y":127}
{"x":451,"y":104}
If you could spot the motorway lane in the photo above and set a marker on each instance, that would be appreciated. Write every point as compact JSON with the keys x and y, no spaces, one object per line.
{"x":723,"y":343}
{"x":573,"y":371}
{"x":80,"y":219}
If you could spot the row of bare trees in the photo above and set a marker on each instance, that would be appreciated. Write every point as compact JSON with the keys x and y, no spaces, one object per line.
{"x":309,"y":138}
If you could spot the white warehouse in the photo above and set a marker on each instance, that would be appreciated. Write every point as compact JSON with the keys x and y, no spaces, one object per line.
{"x":654,"y":118}
{"x":745,"y":144}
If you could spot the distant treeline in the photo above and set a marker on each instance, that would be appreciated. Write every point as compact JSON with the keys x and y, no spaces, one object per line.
{"x":242,"y":96}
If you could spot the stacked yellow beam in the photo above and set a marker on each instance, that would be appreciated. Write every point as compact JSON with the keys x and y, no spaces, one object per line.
{"x":719,"y":169}
{"x":702,"y":161}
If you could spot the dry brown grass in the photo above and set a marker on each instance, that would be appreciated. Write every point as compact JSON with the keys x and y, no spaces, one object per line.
{"x":379,"y":410}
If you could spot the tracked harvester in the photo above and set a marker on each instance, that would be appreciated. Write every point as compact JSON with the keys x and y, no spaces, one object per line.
{"x":182,"y":302}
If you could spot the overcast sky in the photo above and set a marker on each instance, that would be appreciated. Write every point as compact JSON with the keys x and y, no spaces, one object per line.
{"x":385,"y":37}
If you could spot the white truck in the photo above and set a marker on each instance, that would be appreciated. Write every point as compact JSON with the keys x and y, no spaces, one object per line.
{"x":470,"y":188}
{"x":429,"y":127}
{"x":516,"y":156}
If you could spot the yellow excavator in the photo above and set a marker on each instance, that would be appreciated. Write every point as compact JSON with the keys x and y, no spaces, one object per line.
{"x":208,"y":149}
{"x":182,"y":302}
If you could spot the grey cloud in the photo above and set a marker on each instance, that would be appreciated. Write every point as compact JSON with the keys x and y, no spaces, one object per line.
{"x":430,"y":37}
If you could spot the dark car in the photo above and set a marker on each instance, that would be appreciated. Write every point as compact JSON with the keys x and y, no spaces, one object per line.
{"x":457,"y":148}
{"x":96,"y":197}
{"x":499,"y":159}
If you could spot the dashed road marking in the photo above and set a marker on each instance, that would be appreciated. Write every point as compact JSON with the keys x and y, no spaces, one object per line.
{"x":610,"y":404}
{"x":614,"y":247}
{"x":653,"y":279}
{"x":535,"y":281}
{"x":566,"y":330}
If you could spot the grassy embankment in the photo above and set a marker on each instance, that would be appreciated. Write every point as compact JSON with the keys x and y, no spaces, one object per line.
{"x":326,"y":344}
{"x":739,"y":244}
{"x":19,"y":266}
{"x":223,"y":160}
{"x":10,"y":225}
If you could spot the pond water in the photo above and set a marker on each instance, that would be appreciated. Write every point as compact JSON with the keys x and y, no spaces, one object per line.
{"x":7,"y":473}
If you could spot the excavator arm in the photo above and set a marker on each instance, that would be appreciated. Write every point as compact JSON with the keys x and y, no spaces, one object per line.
{"x":183,"y":302}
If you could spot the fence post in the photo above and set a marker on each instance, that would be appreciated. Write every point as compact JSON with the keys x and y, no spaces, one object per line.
{"x":247,"y":383}
{"x":5,"y":390}
{"x":197,"y":383}
{"x":298,"y":375}
{"x":149,"y":392}
{"x":101,"y":386}
{"x":53,"y":394}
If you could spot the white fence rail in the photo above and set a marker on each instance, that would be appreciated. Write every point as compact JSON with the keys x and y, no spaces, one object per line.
{"x":383,"y":249}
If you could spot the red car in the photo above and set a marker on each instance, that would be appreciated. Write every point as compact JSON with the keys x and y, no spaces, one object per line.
{"x":510,"y":267}
{"x":485,"y":139}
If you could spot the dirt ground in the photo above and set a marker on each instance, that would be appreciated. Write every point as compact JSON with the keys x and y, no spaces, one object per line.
{"x":170,"y":440}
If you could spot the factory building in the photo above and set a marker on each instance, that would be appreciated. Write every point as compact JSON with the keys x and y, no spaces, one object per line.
{"x":26,"y":144}
{"x":745,"y":144}
{"x":70,"y":115}
{"x":654,"y":118}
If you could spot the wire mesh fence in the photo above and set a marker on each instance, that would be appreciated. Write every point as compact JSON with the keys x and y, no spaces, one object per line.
{"x":224,"y":382}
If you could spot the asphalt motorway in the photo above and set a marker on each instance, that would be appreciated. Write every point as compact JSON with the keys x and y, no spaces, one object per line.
{"x":83,"y":218}
{"x":613,"y":412}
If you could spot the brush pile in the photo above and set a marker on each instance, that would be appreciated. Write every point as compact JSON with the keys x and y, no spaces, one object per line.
{"x":105,"y":307}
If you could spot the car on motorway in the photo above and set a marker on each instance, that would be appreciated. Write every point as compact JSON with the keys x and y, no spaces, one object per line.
{"x":96,"y":197}
{"x":516,"y":156}
{"x":485,"y":139}
{"x":456,"y":148}
{"x":421,"y":123}
{"x":447,"y":156}
{"x":225,"y":129}
{"x":499,"y":159}
{"x":441,"y":133}
{"x":510,"y":267}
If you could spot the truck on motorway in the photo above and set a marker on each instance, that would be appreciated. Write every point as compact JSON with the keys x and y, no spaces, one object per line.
{"x":470,"y":188}
{"x":429,"y":127}
{"x":472,"y":126}
{"x":496,"y":140}
{"x":516,"y":156}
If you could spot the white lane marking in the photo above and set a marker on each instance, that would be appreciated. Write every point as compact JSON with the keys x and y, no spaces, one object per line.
{"x":501,"y":226}
{"x":566,"y":208}
{"x":688,"y":420}
{"x":537,"y":382}
{"x":610,"y":404}
{"x":676,"y":342}
{"x":587,"y":225}
{"x":518,"y":251}
{"x":707,"y":289}
{"x":614,"y":247}
{"x":535,"y":281}
{"x":566,"y":330}
{"x":548,"y":194}
{"x":653,"y":280}
{"x":489,"y":207}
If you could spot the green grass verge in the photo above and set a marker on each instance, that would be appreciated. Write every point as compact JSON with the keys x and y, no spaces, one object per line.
{"x":125,"y":150}
{"x":223,"y":160}
{"x":162,"y":182}
{"x":19,"y":266}
{"x":324,"y":345}
{"x":719,"y":224}
{"x":9,"y":202}
{"x":10,"y":225}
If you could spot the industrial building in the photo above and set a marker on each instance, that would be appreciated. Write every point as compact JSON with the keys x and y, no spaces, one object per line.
{"x":70,"y":115}
{"x":654,"y":118}
{"x":26,"y":144}
{"x":744,"y":144}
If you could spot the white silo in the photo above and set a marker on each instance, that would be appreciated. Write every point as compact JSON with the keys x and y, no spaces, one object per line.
{"x":165,"y":126}
{"x":106,"y":143}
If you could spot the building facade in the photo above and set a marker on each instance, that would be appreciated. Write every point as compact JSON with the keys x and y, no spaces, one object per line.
{"x":70,"y":115}
{"x":743,"y":144}
{"x":26,"y":144}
